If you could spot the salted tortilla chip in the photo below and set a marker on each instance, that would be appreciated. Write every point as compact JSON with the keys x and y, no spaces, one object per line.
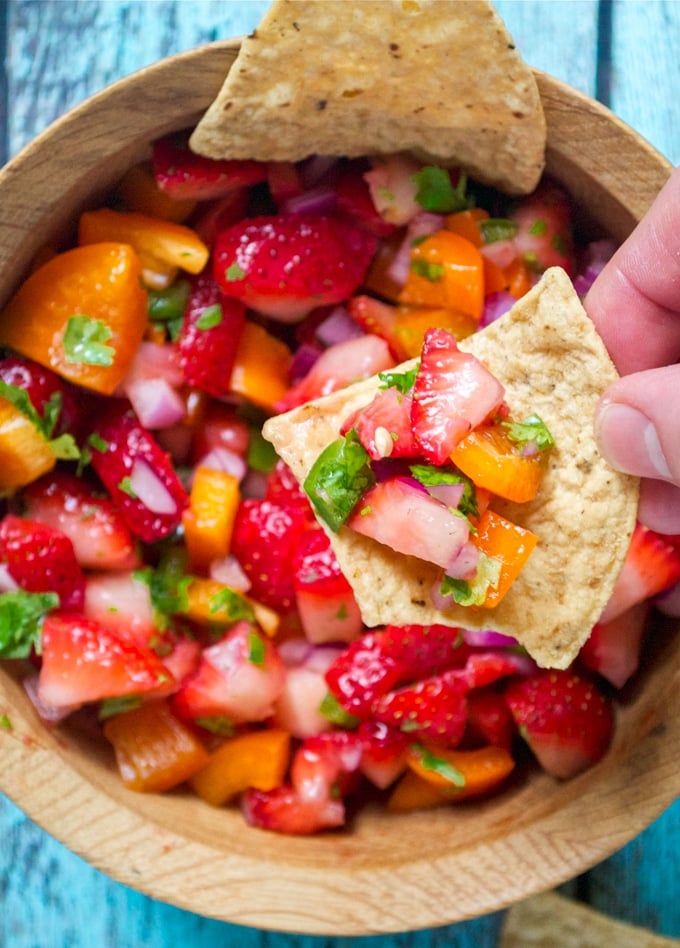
{"x":442,"y":80}
{"x":547,"y":354}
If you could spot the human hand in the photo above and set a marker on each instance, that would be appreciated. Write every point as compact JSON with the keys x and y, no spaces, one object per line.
{"x":635,"y":305}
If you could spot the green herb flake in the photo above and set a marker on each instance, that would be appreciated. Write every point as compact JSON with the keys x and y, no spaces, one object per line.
{"x":257,"y":650}
{"x":210,"y":317}
{"x":5,"y":722}
{"x":433,"y":272}
{"x":402,"y":381}
{"x":338,"y":479}
{"x":436,"y":193}
{"x":98,"y":443}
{"x":558,"y":244}
{"x":110,"y":707}
{"x":532,"y":430}
{"x":170,"y":303}
{"x":333,"y":711}
{"x":85,"y":341}
{"x":234,"y":273}
{"x":341,"y":614}
{"x":168,"y":585}
{"x":538,"y":228}
{"x":229,"y":606}
{"x":429,"y":475}
{"x":438,"y":765}
{"x":125,"y":485}
{"x":219,"y":724}
{"x":473,"y":592}
{"x":494,"y":229}
{"x":261,"y":455}
{"x":21,"y":617}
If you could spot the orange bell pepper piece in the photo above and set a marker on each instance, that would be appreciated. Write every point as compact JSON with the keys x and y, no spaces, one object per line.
{"x":495,"y":279}
{"x":154,"y":751}
{"x":154,"y":240}
{"x":507,"y":542}
{"x":446,"y":272}
{"x":82,"y":314}
{"x":261,"y":367}
{"x":491,"y":460}
{"x":24,"y":453}
{"x":139,"y":192}
{"x":209,"y":519}
{"x":460,"y":773}
{"x":256,"y":759}
{"x":519,"y":278}
{"x":411,"y":324}
{"x":466,"y":223}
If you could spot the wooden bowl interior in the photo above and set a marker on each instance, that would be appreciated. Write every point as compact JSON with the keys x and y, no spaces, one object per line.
{"x":387,"y":873}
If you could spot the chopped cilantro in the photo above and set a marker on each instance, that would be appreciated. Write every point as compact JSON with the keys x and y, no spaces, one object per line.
{"x":338,"y":479}
{"x":557,"y":243}
{"x":428,"y":270}
{"x":437,"y":193}
{"x":234,"y":272}
{"x":168,"y":304}
{"x":341,"y":614}
{"x":532,"y":430}
{"x":5,"y":722}
{"x":497,"y":228}
{"x":219,"y":724}
{"x":257,"y":650}
{"x":402,"y":381}
{"x":537,"y":228}
{"x":21,"y":616}
{"x":473,"y":592}
{"x":230,"y":606}
{"x":85,"y":341}
{"x":210,"y":317}
{"x":64,"y":447}
{"x":331,"y":709}
{"x":97,"y":442}
{"x":430,"y":475}
{"x":439,"y":765}
{"x":125,"y":485}
{"x":168,"y":585}
{"x":261,"y":454}
{"x":109,"y":707}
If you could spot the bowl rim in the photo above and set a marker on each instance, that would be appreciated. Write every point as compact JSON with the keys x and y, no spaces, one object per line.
{"x":135,"y":842}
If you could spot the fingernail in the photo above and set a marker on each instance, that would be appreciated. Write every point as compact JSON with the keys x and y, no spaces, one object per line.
{"x":628,"y":441}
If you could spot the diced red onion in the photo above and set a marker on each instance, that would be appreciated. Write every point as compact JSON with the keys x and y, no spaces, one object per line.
{"x":486,"y":638}
{"x":500,"y":252}
{"x":464,"y":566}
{"x":294,"y":652}
{"x":495,"y":305}
{"x":254,"y":485}
{"x":422,"y":225}
{"x":150,"y":490}
{"x":305,"y":356}
{"x":47,"y":713}
{"x":7,"y":581}
{"x":228,"y":572}
{"x":156,"y":403}
{"x":316,"y":201}
{"x":597,"y":255}
{"x":449,"y":494}
{"x":222,"y":459}
{"x":154,"y":360}
{"x":316,"y":168}
{"x":338,"y":326}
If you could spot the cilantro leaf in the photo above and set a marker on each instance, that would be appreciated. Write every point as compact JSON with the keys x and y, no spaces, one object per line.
{"x":428,"y":270}
{"x":109,"y":707}
{"x":234,"y":272}
{"x":402,"y":381}
{"x":331,"y":709}
{"x":473,"y":592}
{"x":168,"y":585}
{"x":532,"y":430}
{"x":338,"y":479}
{"x":436,"y":192}
{"x":210,"y":317}
{"x":21,"y":616}
{"x":439,"y":765}
{"x":429,"y":475}
{"x":168,"y":304}
{"x":228,"y":606}
{"x":85,"y":341}
{"x":219,"y":724}
{"x":497,"y":228}
{"x":257,"y":650}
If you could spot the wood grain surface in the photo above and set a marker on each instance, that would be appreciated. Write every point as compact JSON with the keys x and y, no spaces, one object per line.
{"x":57,"y":54}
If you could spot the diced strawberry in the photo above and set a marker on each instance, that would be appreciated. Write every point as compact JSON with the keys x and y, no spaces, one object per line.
{"x":40,"y":558}
{"x":209,"y":337}
{"x":489,"y":720}
{"x":137,"y":473}
{"x":42,"y":387}
{"x":564,"y":718}
{"x":325,"y":600}
{"x":284,"y":488}
{"x":453,"y":393}
{"x":613,"y":648}
{"x":652,"y":565}
{"x":434,"y":708}
{"x":238,"y":678}
{"x":321,"y":763}
{"x":183,"y":174}
{"x":297,"y":707}
{"x":286,"y":265}
{"x":212,"y":218}
{"x":82,"y":661}
{"x":384,"y":426}
{"x":383,"y":756}
{"x":403,"y":516}
{"x":284,"y":181}
{"x":68,"y":503}
{"x":219,"y":427}
{"x":378,"y":318}
{"x":338,"y":366}
{"x":282,"y":811}
{"x":545,"y":235}
{"x":488,"y":666}
{"x":265,"y":538}
{"x":122,"y":602}
{"x":423,"y":650}
{"x":353,"y":198}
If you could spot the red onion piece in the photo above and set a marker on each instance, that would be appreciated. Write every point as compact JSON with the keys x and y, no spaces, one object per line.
{"x":222,"y":459}
{"x":449,"y":494}
{"x":464,"y":566}
{"x":156,"y":403}
{"x":254,"y":485}
{"x":320,"y":200}
{"x":47,"y":713}
{"x":305,"y":356}
{"x":228,"y":572}
{"x":315,"y":168}
{"x":151,"y":491}
{"x":495,"y":305}
{"x":338,"y":326}
{"x":486,"y":638}
{"x":422,"y":225}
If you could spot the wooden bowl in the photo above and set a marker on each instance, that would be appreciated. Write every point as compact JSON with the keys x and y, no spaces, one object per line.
{"x":387,"y":873}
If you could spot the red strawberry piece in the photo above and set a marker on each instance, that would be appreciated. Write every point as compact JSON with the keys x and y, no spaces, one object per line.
{"x":285,"y":265}
{"x":613,"y":648}
{"x":338,"y":366}
{"x":283,"y":487}
{"x":353,"y":198}
{"x":384,"y":426}
{"x":325,"y":600}
{"x":137,"y":473}
{"x":322,"y":762}
{"x":282,"y":811}
{"x":41,"y":559}
{"x":264,"y":541}
{"x":42,"y":387}
{"x":652,"y":565}
{"x":213,"y":217}
{"x":434,"y":709}
{"x":209,"y":337}
{"x":452,"y":394}
{"x":219,"y":427}
{"x":488,"y":666}
{"x":564,"y":718}
{"x":379,"y":318}
{"x":423,"y":650}
{"x":100,"y":537}
{"x":545,"y":231}
{"x":383,"y":756}
{"x":238,"y":678}
{"x":362,"y":673}
{"x":183,"y":174}
{"x":284,"y":181}
{"x":489,"y":720}
{"x":82,"y":661}
{"x":401,"y":514}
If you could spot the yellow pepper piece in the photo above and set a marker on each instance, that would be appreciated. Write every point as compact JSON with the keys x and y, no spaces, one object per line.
{"x":209,"y":520}
{"x":261,"y":367}
{"x":24,"y":453}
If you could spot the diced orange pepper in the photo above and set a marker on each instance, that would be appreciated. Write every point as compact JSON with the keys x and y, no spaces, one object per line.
{"x":209,"y":519}
{"x":446,"y":271}
{"x":511,"y":544}
{"x":205,"y":606}
{"x":466,"y":223}
{"x":495,"y":279}
{"x":24,"y":453}
{"x":139,"y":192}
{"x":518,"y":277}
{"x":154,"y":239}
{"x":492,"y":460}
{"x":414,"y":793}
{"x":261,"y":367}
{"x":256,"y":759}
{"x":101,"y":284}
{"x":154,"y":751}
{"x":411,"y":324}
{"x":460,"y":773}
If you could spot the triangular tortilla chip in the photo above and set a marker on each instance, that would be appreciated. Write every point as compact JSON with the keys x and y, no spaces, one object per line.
{"x":438,"y":78}
{"x":547,"y":354}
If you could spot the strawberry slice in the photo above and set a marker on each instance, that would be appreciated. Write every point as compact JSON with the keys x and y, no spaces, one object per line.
{"x":613,"y":649}
{"x":384,"y":426}
{"x":282,"y":811}
{"x":137,"y":473}
{"x":325,"y":600}
{"x":383,"y":756}
{"x":489,"y":720}
{"x":652,"y":565}
{"x":433,"y":709}
{"x":452,"y":394}
{"x":566,"y":721}
{"x":264,"y":541}
{"x":100,"y":537}
{"x":284,"y":488}
{"x":209,"y":336}
{"x":46,"y":390}
{"x":285,"y":265}
{"x":82,"y":661}
{"x":545,"y":232}
{"x":183,"y":174}
{"x":40,"y":558}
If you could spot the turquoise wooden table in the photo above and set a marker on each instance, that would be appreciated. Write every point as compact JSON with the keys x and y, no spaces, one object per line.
{"x":56,"y":53}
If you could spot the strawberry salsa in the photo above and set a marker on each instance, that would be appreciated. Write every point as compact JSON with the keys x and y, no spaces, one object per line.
{"x":161,"y":571}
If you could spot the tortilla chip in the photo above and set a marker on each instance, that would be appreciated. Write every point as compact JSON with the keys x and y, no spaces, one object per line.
{"x":440,"y":79}
{"x":547,"y":354}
